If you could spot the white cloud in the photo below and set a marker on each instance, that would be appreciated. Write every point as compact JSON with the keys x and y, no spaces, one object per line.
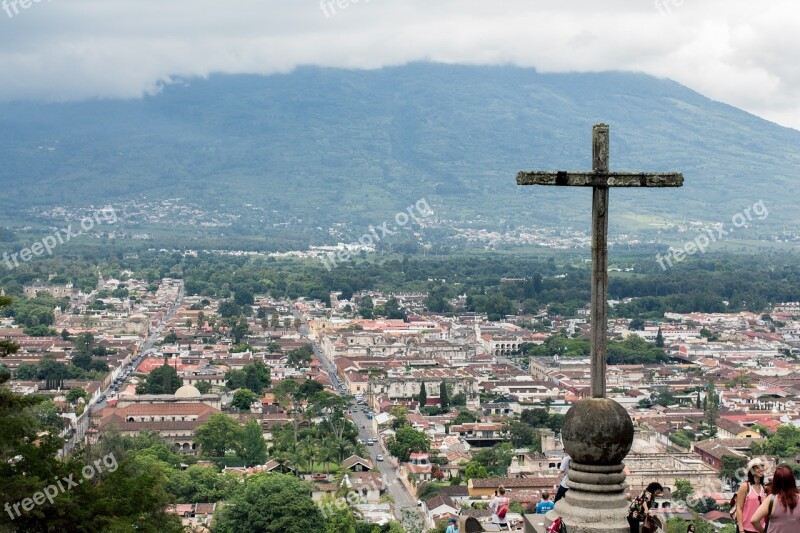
{"x":740,"y":52}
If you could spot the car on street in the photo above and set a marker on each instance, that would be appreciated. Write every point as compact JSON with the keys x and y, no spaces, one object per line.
{"x":379,"y":457}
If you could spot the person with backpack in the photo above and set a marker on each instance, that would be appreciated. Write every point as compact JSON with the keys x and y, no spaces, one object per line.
{"x":499,"y":507}
{"x":751,"y":495}
{"x":780,"y":509}
{"x":640,"y":506}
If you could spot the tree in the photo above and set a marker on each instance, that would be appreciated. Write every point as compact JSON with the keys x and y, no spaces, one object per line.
{"x":26,"y":371}
{"x":785,"y":442}
{"x":465,"y":417}
{"x":84,"y":342}
{"x":217,"y":434}
{"x":64,"y":335}
{"x":203,"y":386}
{"x":711,"y":405}
{"x":300,"y":357}
{"x":257,"y":377}
{"x":243,"y":399}
{"x":443,"y":401}
{"x":75,"y":393}
{"x":659,"y":339}
{"x":423,"y":395}
{"x":522,"y":434}
{"x":270,"y":503}
{"x":683,"y":489}
{"x":162,"y":380}
{"x":406,"y":441}
{"x":366,"y":307}
{"x":235,"y":379}
{"x":555,"y":422}
{"x":459,"y":399}
{"x":252,"y":447}
{"x":82,"y":360}
{"x":199,"y":484}
{"x":391,"y":310}
{"x":340,"y":519}
{"x":244,"y":297}
{"x":475,"y":470}
{"x":702,"y":505}
{"x":171,"y":338}
{"x":400,"y":415}
{"x":637,"y":324}
{"x":426,"y":491}
{"x":240,"y":330}
{"x":730,"y":464}
{"x":229,"y":309}
{"x":536,"y":418}
{"x":39,"y":331}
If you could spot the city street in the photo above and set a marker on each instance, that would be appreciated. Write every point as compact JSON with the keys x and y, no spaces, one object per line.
{"x":401,"y":496}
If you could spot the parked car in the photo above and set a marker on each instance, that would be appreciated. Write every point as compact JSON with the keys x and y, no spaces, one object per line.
{"x":379,"y":457}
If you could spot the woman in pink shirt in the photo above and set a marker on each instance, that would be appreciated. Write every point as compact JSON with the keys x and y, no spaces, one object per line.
{"x":785,"y":517}
{"x":751,"y":495}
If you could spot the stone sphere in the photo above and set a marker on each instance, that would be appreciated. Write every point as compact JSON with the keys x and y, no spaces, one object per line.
{"x":597,"y":431}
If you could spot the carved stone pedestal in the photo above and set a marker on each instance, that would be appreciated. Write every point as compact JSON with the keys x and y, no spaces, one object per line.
{"x":597,"y":435}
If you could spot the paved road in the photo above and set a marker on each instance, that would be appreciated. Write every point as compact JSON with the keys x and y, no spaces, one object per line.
{"x":402,"y":497}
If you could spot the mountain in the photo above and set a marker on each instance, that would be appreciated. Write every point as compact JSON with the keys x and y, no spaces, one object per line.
{"x":330,"y":145}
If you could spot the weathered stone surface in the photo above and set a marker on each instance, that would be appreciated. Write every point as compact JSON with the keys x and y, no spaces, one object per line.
{"x":597,"y":431}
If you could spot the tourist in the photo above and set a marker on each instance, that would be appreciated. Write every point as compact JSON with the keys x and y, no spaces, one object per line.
{"x":639,"y":509}
{"x":545,"y":505}
{"x":751,"y":494}
{"x":785,"y":516}
{"x":499,"y":507}
{"x":563,"y":477}
{"x":453,"y":527}
{"x":690,"y":529}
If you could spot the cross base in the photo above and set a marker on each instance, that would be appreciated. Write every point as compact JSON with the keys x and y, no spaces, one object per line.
{"x":596,"y":501}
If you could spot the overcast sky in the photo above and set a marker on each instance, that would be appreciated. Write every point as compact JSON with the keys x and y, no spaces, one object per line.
{"x":740,"y":52}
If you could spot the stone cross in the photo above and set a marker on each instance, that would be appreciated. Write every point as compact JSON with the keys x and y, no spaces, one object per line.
{"x":600,"y":180}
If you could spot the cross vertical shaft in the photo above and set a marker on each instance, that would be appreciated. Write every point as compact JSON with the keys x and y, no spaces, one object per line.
{"x":600,"y":147}
{"x":597,"y":431}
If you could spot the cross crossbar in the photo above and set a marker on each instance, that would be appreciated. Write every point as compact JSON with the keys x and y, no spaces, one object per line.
{"x":601,"y":179}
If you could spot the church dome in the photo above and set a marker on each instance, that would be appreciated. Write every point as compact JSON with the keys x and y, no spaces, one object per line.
{"x":187,"y":391}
